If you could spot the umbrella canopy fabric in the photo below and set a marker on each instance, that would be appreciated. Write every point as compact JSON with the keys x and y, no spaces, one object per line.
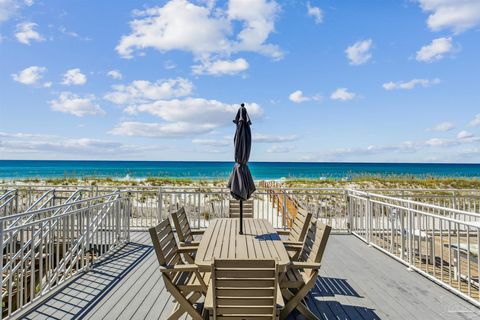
{"x":241,"y":183}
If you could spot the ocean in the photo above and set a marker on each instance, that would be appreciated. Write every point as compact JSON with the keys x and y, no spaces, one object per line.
{"x":43,"y":169}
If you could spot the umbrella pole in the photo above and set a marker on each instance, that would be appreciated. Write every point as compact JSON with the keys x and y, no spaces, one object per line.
{"x":241,"y":216}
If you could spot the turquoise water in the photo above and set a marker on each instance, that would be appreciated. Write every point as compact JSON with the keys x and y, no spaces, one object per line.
{"x":10,"y":169}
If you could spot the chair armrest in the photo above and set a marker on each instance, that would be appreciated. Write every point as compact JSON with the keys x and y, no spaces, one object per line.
{"x":198,"y":232}
{"x":283,"y":232}
{"x":187,"y":249}
{"x":293,"y":248}
{"x":190,"y":244}
{"x":293,"y":243}
{"x":304,"y":265}
{"x":179,"y":268}
{"x":280,"y":302}
{"x":208,"y":304}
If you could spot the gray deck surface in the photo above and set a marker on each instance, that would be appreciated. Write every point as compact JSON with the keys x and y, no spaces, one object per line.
{"x":357,"y":282}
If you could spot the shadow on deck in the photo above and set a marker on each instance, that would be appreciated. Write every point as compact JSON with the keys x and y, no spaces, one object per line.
{"x":356,"y":282}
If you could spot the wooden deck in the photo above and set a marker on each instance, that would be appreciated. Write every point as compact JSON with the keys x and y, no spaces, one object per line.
{"x":357,"y":282}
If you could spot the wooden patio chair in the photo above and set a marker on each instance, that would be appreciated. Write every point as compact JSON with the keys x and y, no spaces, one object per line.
{"x":244,"y":289}
{"x":234,"y":208}
{"x":183,"y":281}
{"x":185,"y":233}
{"x":296,"y":234}
{"x":302,"y":275}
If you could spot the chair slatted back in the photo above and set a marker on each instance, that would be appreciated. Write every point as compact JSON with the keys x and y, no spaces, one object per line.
{"x":244,"y":289}
{"x":234,"y":208}
{"x":182,"y":225}
{"x":315,"y":243}
{"x":165,"y":246}
{"x":300,"y":225}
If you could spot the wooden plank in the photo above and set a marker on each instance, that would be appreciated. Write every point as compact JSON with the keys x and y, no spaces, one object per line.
{"x":357,"y":280}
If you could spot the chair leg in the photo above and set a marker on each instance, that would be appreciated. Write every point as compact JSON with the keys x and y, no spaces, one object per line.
{"x":306,"y":313}
{"x":178,"y":311}
{"x":186,"y":305}
{"x":294,"y":299}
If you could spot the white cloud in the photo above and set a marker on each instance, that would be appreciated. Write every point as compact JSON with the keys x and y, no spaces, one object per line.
{"x":142,"y":91}
{"x":475,"y":121}
{"x":194,"y":111}
{"x":436,"y":50}
{"x":183,"y":117}
{"x":359,"y":53}
{"x":221,"y":67}
{"x":315,"y":12}
{"x":410,"y":84}
{"x":74,"y":77}
{"x":115,"y":74}
{"x":26,"y":33}
{"x":213,"y":142}
{"x":68,"y":102}
{"x":159,"y":130}
{"x":7,"y":9}
{"x":265,"y":138}
{"x":458,"y":15}
{"x":437,"y":142}
{"x":280,"y":149}
{"x":298,"y":97}
{"x":342,"y":94}
{"x":169,"y":65}
{"x":203,"y":30}
{"x":443,"y":127}
{"x":25,"y":145}
{"x":258,"y":17}
{"x":463,"y":135}
{"x":30,"y":75}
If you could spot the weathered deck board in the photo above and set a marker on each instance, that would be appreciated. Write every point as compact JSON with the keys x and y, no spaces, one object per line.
{"x":358,"y":282}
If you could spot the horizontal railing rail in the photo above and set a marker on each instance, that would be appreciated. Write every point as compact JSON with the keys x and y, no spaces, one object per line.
{"x":8,"y":202}
{"x":429,"y":239}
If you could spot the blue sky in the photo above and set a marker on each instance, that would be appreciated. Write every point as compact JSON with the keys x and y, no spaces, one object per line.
{"x":374,"y":81}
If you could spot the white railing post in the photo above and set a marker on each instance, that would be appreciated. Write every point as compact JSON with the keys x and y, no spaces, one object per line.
{"x":87,"y":240}
{"x":369,"y":220}
{"x":284,"y":208}
{"x":409,"y":235}
{"x":348,"y":209}
{"x":159,"y":205}
{"x":402,"y":234}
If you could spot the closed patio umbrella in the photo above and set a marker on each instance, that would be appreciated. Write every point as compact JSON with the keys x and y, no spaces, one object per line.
{"x":241,"y":183}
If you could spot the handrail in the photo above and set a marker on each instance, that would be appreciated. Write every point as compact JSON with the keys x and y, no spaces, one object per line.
{"x":442,"y":248}
{"x":426,"y":205}
{"x":48,"y":254}
{"x":51,"y":208}
{"x":7,"y":193}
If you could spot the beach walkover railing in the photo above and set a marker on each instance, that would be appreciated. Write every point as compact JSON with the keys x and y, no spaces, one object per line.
{"x":41,"y":249}
{"x":8,"y":202}
{"x":275,"y":205}
{"x":440,"y":243}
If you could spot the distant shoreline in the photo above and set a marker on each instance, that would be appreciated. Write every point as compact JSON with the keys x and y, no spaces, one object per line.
{"x":220,"y":170}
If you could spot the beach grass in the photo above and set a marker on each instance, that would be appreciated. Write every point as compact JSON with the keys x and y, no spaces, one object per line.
{"x":362,"y":182}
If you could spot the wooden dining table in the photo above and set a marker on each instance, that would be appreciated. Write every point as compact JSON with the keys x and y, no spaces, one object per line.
{"x":222,"y":240}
